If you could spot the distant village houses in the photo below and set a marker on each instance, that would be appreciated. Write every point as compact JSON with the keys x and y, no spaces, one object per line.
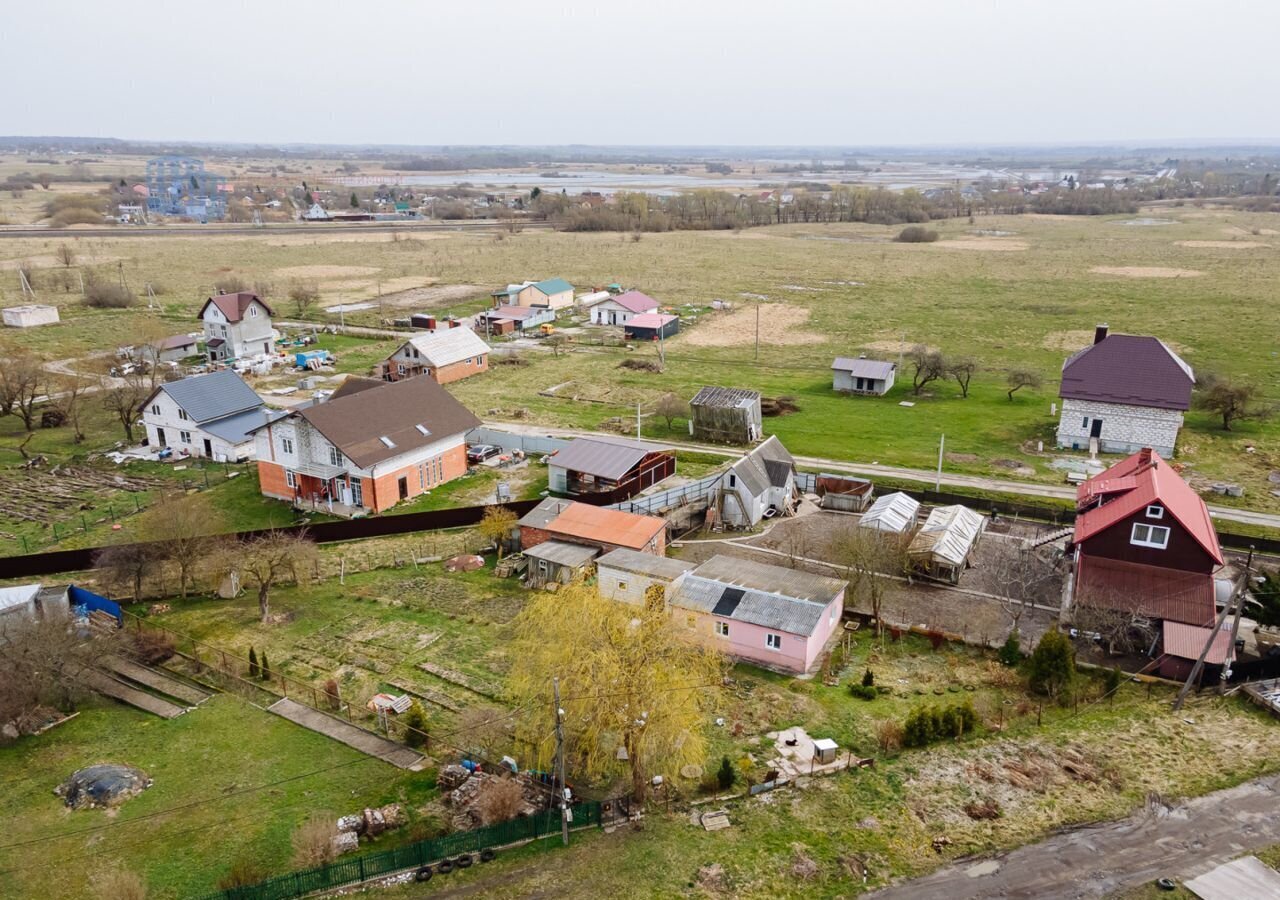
{"x":553,"y":293}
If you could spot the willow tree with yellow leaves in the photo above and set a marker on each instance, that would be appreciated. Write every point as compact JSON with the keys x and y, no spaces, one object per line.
{"x":636,"y":684}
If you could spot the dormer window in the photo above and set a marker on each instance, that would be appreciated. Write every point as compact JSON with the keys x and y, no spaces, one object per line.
{"x":1155,"y":511}
{"x":1155,"y":536}
{"x":253,"y":312}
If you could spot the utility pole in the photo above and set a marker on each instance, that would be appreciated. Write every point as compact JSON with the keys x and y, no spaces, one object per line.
{"x":561,"y":790}
{"x":757,"y":331}
{"x":937,"y":484}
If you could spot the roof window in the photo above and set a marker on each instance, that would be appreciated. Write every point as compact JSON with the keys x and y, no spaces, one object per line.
{"x":386,"y":441}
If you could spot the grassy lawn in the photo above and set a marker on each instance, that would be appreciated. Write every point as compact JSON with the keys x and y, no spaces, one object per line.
{"x":247,"y":779}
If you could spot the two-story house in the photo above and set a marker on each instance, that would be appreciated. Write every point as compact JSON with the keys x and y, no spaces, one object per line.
{"x":236,"y":325}
{"x":760,"y":485}
{"x":1125,"y":392}
{"x":444,"y":356}
{"x":211,"y":416}
{"x":1145,"y":547}
{"x":369,"y":446}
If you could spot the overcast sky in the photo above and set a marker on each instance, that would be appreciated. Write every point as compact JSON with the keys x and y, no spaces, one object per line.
{"x":845,"y":72}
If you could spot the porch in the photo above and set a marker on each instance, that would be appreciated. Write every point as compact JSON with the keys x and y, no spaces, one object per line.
{"x":328,"y":489}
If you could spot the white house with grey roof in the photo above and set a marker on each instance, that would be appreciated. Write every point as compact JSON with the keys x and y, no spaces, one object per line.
{"x":777,"y":617}
{"x":759,"y":486}
{"x":862,"y":376}
{"x":209,"y":416}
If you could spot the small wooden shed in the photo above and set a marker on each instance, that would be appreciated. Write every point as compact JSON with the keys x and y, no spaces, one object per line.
{"x":726,"y":415}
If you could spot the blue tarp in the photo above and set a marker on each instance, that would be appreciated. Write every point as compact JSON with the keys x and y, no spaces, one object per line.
{"x":89,"y":601}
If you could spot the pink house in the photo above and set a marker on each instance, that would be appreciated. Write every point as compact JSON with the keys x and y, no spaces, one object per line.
{"x":776,"y":617}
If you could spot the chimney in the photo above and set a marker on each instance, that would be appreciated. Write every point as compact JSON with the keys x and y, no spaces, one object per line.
{"x":1144,"y":456}
{"x":1100,"y":333}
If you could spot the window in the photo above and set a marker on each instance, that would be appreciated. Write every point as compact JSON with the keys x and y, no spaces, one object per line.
{"x":833,"y":615}
{"x":422,"y":476}
{"x":1150,"y":536}
{"x":185,"y":436}
{"x":622,"y":585}
{"x":722,"y":629}
{"x":182,"y":414}
{"x":1085,"y":423}
{"x":335,"y":458}
{"x":286,"y":444}
{"x":733,"y":480}
{"x":155,"y":409}
{"x":773,"y":641}
{"x":290,"y":479}
{"x":253,"y":312}
{"x":1155,"y":512}
{"x":399,"y":368}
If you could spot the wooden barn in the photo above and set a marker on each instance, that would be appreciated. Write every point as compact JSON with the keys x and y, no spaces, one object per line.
{"x":608,"y":470}
{"x":726,"y":416}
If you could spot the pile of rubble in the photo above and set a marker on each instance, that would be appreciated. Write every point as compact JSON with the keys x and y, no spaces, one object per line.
{"x":370,"y":823}
{"x":463,"y":789}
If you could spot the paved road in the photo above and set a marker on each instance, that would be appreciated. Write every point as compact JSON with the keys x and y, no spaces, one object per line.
{"x":1178,"y":843}
{"x":146,"y":231}
{"x":925,"y":476}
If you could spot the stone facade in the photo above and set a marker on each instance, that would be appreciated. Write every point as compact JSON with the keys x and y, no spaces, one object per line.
{"x":1125,"y":429}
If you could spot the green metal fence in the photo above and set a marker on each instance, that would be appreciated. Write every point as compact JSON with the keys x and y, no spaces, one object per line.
{"x":372,"y":865}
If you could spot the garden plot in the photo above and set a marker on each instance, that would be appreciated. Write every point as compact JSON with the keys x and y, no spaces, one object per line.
{"x":776,"y":323}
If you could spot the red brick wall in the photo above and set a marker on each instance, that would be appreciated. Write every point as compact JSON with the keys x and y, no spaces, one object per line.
{"x":272,"y":482}
{"x":385,"y":488}
{"x":460,"y":370}
{"x":532,"y":537}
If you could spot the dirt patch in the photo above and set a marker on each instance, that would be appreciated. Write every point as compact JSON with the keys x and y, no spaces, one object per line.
{"x":886,"y":346}
{"x":1067,"y":340}
{"x":1224,"y":245}
{"x":1237,"y":231}
{"x":430,"y":296}
{"x":1145,"y":272}
{"x":984,"y":244}
{"x":325,"y":271}
{"x":780,"y":323}
{"x":962,"y":457}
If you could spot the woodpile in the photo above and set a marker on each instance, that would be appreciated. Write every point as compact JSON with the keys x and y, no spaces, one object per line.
{"x":38,"y":495}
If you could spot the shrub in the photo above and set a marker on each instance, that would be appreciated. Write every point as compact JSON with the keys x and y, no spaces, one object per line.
{"x":265,"y":668}
{"x":500,"y":800}
{"x":107,"y":295}
{"x":313,"y":841}
{"x":864,"y":691}
{"x":916,"y":234}
{"x":244,"y":872}
{"x":230,"y":284}
{"x":120,"y":884}
{"x":1053,"y":665}
{"x":1113,"y":679}
{"x":726,"y":776}
{"x":331,"y":694}
{"x":888,"y":735}
{"x":926,"y":724}
{"x":917,"y":728}
{"x":868,"y":678}
{"x":1011,"y":650}
{"x":254,"y":670}
{"x":152,"y":647}
{"x":415,"y":725}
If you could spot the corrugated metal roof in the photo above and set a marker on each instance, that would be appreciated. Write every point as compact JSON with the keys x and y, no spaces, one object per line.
{"x":767,"y":465}
{"x":864,"y":368}
{"x":211,"y":396}
{"x":1247,"y":878}
{"x":1130,"y":369}
{"x":603,"y":458}
{"x":637,"y":563}
{"x":727,"y":398}
{"x":895,"y":513}
{"x":544,"y":513}
{"x":562,"y":553}
{"x":746,"y":573}
{"x":594,"y":297}
{"x":553,"y":286}
{"x":596,"y":524}
{"x":948,"y":534}
{"x":1171,"y":594}
{"x":1187,"y":642}
{"x":239,"y":428}
{"x":443,"y":348}
{"x":780,"y":612}
{"x":636,"y":302}
{"x":650,"y":320}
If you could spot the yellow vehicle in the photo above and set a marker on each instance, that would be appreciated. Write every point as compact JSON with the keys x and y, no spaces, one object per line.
{"x":547,"y":328}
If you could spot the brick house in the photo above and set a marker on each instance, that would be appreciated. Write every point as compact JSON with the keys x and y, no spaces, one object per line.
{"x":444,"y":356}
{"x":594,"y":526}
{"x":1145,"y":547}
{"x":367,"y":448}
{"x":236,"y":325}
{"x":1126,"y":392}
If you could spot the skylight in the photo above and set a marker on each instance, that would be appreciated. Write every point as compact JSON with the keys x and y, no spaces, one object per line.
{"x":422,"y":429}
{"x":386,"y":441}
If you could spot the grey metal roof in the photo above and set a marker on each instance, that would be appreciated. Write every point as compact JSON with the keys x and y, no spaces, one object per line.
{"x":563,"y":553}
{"x":544,"y":513}
{"x":603,"y":457}
{"x":864,"y":368}
{"x":948,"y":534}
{"x":238,"y":428}
{"x":728,"y":398}
{"x":746,"y":573}
{"x":895,"y":513}
{"x":637,"y":563}
{"x":767,"y":465}
{"x":728,"y":598}
{"x":212,"y":396}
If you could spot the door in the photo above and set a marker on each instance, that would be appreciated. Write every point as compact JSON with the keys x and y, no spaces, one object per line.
{"x":208,"y":448}
{"x":1095,"y":428}
{"x":160,"y":437}
{"x":357,"y":492}
{"x":403,"y":484}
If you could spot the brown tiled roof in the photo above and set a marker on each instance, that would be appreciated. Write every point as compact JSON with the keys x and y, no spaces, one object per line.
{"x":1129,"y":369}
{"x":233,"y":306}
{"x":356,"y":419}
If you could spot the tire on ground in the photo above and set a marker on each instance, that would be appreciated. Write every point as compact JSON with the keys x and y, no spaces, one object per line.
{"x":464,"y":861}
{"x":487,"y":854}
{"x":423,"y":874}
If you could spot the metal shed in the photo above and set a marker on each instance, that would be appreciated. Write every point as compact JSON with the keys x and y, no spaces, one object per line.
{"x":892,"y":513}
{"x":558,"y":561}
{"x":943,"y":546}
{"x":843,"y":492}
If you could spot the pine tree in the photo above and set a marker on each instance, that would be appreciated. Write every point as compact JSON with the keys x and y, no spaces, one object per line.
{"x":254,"y":671}
{"x":1011,"y":651}
{"x":726,"y":776}
{"x":868,"y":679}
{"x":415,"y":725}
{"x":355,"y":201}
{"x":1053,"y":665}
{"x":266,"y":667}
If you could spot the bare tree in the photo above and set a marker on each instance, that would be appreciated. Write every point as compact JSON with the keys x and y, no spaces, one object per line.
{"x":1120,"y":628}
{"x":1233,"y":401}
{"x":66,"y":395}
{"x":870,"y":559}
{"x":556,"y":342}
{"x":183,"y":525}
{"x":499,"y":800}
{"x":273,"y":558}
{"x":123,"y":396}
{"x":126,"y":567}
{"x":962,"y":370}
{"x":21,"y":381}
{"x":926,"y":365}
{"x":66,"y":255}
{"x":1020,"y":378}
{"x":303,"y":296}
{"x":484,"y":730}
{"x":41,"y":665}
{"x":671,"y":406}
{"x":1025,"y":576}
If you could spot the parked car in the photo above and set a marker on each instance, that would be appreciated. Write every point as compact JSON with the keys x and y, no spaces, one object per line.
{"x":478,"y":453}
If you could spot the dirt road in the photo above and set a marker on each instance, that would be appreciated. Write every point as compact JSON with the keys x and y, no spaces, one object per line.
{"x":1179,"y":843}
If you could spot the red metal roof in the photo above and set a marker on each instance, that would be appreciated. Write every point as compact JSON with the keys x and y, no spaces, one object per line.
{"x":1187,"y":642}
{"x":1135,"y":483}
{"x":1169,"y":594}
{"x":609,"y":526}
{"x":636,"y":302}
